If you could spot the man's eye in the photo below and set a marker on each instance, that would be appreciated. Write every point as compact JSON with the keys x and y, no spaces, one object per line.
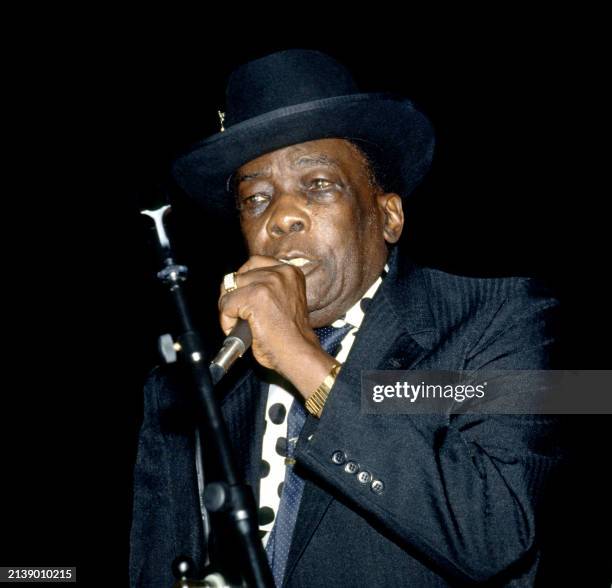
{"x":254,"y":201}
{"x":321,"y":184}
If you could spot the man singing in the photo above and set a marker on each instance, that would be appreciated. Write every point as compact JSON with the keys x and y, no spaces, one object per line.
{"x":317,"y":174}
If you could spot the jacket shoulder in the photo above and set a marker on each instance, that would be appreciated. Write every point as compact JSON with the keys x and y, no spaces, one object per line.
{"x":492,"y":317}
{"x":461,"y":298}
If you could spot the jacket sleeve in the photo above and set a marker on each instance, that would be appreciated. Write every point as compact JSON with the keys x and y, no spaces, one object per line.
{"x":460,"y":492}
{"x":165,"y":521}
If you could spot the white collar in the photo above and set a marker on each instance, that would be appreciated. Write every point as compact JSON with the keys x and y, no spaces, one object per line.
{"x":354,"y":315}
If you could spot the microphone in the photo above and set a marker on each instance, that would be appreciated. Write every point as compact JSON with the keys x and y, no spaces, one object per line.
{"x":234,"y":346}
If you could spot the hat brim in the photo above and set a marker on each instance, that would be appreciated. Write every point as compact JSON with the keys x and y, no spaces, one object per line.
{"x":393,"y":124}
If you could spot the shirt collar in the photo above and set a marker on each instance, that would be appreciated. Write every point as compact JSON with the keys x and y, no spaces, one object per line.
{"x":354,"y":315}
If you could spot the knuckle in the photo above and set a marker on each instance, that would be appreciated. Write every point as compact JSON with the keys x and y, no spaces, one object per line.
{"x":254,"y":261}
{"x":291,"y":269}
{"x":223,"y":300}
{"x":293,"y":273}
{"x":263,"y":290}
{"x":275,"y":277}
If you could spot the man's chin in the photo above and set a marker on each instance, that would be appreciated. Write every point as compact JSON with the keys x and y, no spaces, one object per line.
{"x":323,"y":316}
{"x":324,"y":305}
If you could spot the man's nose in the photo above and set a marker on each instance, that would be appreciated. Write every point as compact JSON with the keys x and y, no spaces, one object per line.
{"x":289,"y":215}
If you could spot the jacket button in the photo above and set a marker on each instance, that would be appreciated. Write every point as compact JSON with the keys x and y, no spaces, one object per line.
{"x":364,"y":477}
{"x":338,"y":457}
{"x":377,"y":486}
{"x":351,"y":467}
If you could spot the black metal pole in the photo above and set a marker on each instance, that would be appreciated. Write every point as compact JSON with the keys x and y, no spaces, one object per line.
{"x":227,"y":495}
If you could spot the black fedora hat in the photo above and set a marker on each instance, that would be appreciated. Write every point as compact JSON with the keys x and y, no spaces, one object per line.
{"x":296,"y":96}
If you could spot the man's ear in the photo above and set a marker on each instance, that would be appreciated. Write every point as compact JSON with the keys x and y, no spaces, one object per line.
{"x":390,"y":204}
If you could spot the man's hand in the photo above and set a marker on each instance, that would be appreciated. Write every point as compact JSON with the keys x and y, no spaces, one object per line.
{"x":271,"y":296}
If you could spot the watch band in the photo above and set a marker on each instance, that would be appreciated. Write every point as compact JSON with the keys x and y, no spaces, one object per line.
{"x":316,"y":401}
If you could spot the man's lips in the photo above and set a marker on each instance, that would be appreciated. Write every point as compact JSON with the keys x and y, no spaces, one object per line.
{"x":296,"y":261}
{"x":304,"y":263}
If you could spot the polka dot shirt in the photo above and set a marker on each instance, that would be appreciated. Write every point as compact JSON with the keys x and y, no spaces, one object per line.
{"x":278,"y":404}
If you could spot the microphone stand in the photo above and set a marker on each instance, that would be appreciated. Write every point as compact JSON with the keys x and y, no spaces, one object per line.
{"x":227,"y":495}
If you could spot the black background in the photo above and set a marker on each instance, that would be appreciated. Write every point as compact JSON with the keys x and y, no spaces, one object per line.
{"x":101,"y":108}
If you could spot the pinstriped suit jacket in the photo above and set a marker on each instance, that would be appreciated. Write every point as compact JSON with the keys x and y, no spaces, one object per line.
{"x":463,"y":495}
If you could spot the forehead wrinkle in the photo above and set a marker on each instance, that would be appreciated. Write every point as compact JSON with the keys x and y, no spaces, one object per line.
{"x":314,"y":160}
{"x":260,"y":173}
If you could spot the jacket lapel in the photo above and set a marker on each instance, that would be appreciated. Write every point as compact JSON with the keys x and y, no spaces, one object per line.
{"x":397,"y":333}
{"x":243,"y":406}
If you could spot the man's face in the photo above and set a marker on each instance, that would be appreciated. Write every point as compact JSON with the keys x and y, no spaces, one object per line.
{"x":315,"y":201}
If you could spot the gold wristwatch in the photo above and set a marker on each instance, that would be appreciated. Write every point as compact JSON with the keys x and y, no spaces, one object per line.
{"x":316,"y":401}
